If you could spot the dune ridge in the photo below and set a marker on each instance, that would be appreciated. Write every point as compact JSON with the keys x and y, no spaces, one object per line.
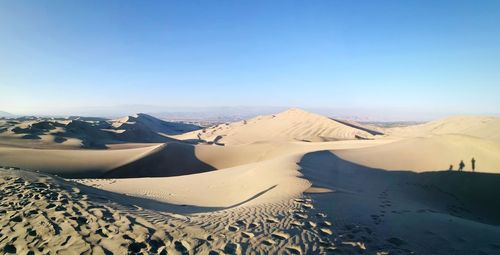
{"x":291,"y":125}
{"x":86,"y":132}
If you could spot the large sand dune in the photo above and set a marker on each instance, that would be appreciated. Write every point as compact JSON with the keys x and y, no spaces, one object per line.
{"x":88,"y":133}
{"x":291,"y":125}
{"x":153,"y":124}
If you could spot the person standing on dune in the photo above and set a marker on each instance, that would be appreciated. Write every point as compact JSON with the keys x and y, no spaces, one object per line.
{"x":473,"y":162}
{"x":461,"y":166}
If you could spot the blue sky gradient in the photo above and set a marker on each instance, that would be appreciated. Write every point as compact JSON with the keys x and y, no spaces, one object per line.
{"x":406,"y":56}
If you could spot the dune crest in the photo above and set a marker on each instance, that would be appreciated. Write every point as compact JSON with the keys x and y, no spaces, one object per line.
{"x":76,"y":132}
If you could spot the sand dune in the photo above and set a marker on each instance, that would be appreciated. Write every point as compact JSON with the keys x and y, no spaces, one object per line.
{"x":154,"y":124}
{"x":291,"y":125}
{"x":477,"y":126}
{"x":257,"y":183}
{"x":430,"y":154}
{"x":171,"y":159}
{"x":86,"y":132}
{"x":84,"y":220}
{"x":359,"y":210}
{"x":144,"y":128}
{"x":70,"y":163}
{"x":160,"y":160}
{"x":290,"y":183}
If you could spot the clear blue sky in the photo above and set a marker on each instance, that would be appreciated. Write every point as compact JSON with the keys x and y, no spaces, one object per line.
{"x":406,"y":55}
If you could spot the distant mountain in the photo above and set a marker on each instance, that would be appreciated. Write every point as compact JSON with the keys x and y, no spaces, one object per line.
{"x":6,"y":115}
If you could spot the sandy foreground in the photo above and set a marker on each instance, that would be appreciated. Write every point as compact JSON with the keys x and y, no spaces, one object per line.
{"x":303,"y":184}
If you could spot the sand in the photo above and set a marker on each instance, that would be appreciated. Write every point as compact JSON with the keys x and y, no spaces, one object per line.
{"x":476,"y":126}
{"x":87,"y":133}
{"x":434,"y":153}
{"x":289,"y":183}
{"x":291,"y":125}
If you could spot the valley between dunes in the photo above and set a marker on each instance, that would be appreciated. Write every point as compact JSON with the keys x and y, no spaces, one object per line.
{"x":290,"y":183}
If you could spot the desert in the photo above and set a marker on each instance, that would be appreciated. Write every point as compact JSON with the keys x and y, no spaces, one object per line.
{"x":367,"y":127}
{"x":319,"y":187}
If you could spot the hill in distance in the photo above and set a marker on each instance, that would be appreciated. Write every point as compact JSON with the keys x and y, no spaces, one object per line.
{"x":6,"y":114}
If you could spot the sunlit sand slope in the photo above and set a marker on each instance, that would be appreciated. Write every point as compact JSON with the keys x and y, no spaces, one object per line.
{"x":291,"y":125}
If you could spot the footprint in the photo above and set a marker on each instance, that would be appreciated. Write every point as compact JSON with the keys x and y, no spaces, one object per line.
{"x":311,"y":224}
{"x":247,"y":234}
{"x":241,"y":222}
{"x":360,"y":245}
{"x":233,"y":228}
{"x":300,"y":216}
{"x":32,"y":232}
{"x":253,"y":225}
{"x":331,"y":248}
{"x":136,"y":247}
{"x":271,"y":220}
{"x":326,"y":224}
{"x":321,"y":215}
{"x":232,"y":248}
{"x":9,"y":248}
{"x":294,"y":250}
{"x":269,"y":242}
{"x":307,"y":206}
{"x":297,"y":223}
{"x":325,"y":231}
{"x":280,"y":235}
{"x":16,"y":218}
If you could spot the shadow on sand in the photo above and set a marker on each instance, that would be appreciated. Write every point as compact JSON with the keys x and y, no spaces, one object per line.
{"x":172,"y":159}
{"x":467,"y":195}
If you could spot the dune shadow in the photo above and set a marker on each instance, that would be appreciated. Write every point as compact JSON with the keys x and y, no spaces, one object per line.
{"x":472,"y":196}
{"x":95,"y":133}
{"x":172,"y":159}
{"x":252,"y":198}
{"x":370,"y":131}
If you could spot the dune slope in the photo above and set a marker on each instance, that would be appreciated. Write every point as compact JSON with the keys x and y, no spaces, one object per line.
{"x":476,"y":126}
{"x":427,"y":213}
{"x":430,"y":154}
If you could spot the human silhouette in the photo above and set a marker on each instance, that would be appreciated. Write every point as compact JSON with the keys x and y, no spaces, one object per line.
{"x":473,"y":162}
{"x":461,"y":166}
{"x":451,"y":168}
